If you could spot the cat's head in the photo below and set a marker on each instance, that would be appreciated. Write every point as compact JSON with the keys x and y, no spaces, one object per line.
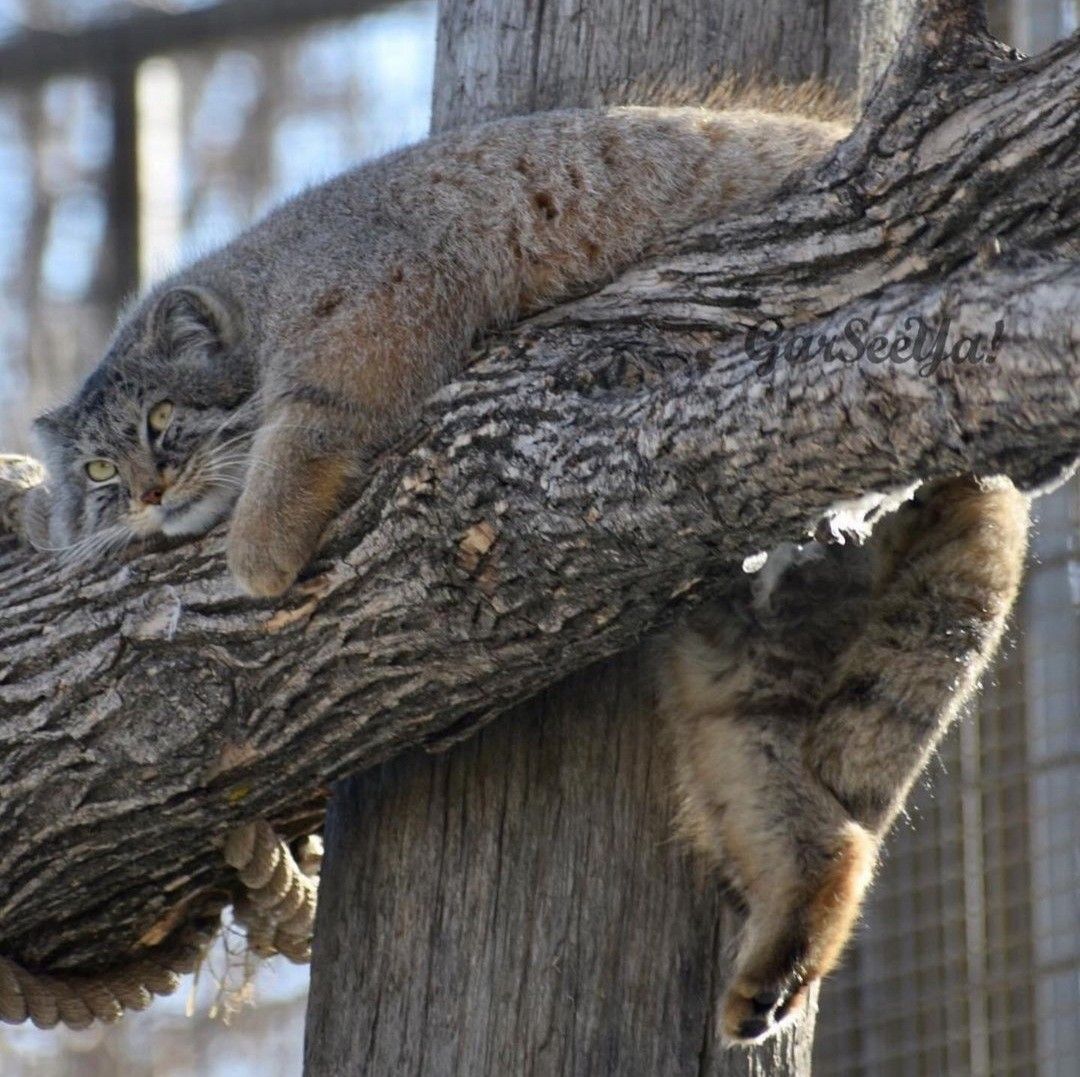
{"x":157,"y":438}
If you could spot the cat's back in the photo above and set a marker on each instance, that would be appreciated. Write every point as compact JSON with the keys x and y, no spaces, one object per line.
{"x":505,"y":218}
{"x":619,"y":169}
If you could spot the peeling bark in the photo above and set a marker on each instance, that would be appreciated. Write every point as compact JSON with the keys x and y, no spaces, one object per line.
{"x":593,"y":472}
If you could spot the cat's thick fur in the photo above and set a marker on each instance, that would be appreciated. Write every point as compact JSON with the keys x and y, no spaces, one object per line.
{"x":798,"y":730}
{"x":273,"y":367}
{"x":349,"y":304}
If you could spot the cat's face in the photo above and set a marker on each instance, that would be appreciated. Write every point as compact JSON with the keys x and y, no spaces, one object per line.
{"x":157,"y":438}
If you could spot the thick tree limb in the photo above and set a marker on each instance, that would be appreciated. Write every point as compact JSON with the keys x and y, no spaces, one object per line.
{"x":593,"y":472}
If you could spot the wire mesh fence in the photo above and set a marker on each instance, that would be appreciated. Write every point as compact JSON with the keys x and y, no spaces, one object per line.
{"x":969,"y":958}
{"x":968,"y":961}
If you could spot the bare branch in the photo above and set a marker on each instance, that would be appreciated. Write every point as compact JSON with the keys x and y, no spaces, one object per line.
{"x":33,"y":56}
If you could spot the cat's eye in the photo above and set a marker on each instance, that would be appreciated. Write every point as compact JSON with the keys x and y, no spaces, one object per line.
{"x":160,"y":416}
{"x":101,"y":470}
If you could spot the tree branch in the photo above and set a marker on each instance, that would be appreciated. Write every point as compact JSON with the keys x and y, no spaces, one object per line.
{"x":594,"y":471}
{"x":34,"y":56}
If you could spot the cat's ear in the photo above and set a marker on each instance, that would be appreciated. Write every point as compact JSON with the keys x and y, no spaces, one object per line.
{"x":193,"y":321}
{"x":52,"y":429}
{"x":53,"y":435}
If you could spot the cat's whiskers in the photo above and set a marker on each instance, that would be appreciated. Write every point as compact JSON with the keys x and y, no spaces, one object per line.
{"x":73,"y":549}
{"x":98,"y":543}
{"x":264,"y":466}
{"x":123,"y":537}
{"x":252,"y":404}
{"x":210,"y":461}
{"x":239,"y":444}
{"x":229,"y":458}
{"x":226,"y":481}
{"x":244,"y":435}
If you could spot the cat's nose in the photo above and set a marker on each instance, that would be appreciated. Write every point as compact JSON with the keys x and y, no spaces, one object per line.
{"x":151,"y":496}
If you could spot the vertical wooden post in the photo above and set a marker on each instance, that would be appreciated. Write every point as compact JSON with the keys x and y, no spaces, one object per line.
{"x":120,"y":276}
{"x":518,"y":905}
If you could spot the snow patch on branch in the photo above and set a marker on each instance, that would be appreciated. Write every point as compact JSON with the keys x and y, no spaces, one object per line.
{"x":843,"y":522}
{"x":853,"y":520}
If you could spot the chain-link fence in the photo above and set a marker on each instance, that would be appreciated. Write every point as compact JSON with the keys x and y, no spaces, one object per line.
{"x":968,"y":961}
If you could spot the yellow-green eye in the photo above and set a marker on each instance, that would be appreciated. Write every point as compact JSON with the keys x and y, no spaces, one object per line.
{"x":159,"y":416}
{"x":101,"y":470}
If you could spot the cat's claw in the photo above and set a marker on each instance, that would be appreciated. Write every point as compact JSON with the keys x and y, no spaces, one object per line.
{"x":751,"y":1014}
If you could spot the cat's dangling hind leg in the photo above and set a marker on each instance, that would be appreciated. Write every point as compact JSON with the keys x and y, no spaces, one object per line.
{"x":949,"y":566}
{"x":796,"y":930}
{"x":790,"y":768}
{"x":787,"y":850}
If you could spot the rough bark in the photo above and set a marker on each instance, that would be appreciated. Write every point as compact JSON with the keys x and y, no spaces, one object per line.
{"x":586,"y":478}
{"x":401,"y":889}
{"x":517,"y":906}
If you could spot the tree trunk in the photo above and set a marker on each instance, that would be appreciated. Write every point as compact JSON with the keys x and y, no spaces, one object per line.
{"x":508,"y":57}
{"x":517,"y":905}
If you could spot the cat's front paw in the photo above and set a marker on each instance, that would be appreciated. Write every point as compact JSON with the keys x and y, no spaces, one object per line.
{"x":289,"y":498}
{"x":264,"y":557}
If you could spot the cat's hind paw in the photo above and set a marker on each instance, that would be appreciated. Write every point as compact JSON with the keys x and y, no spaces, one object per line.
{"x":794,"y":937}
{"x":754,"y":1011}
